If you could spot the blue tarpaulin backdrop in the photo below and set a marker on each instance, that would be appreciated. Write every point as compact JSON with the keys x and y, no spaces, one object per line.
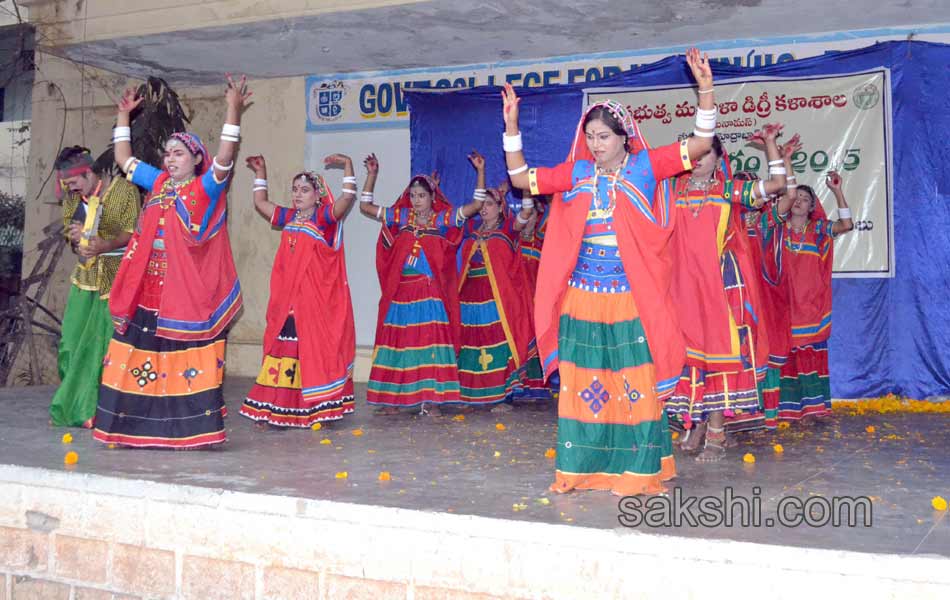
{"x":888,"y":335}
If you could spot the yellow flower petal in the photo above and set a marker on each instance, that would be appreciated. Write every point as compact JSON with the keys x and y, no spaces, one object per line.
{"x":676,"y":435}
{"x":939,"y":503}
{"x":748,"y":458}
{"x":357,"y":432}
{"x":500,"y":426}
{"x":544,"y":501}
{"x":778,"y":448}
{"x":497,"y":453}
{"x":550,"y":453}
{"x":870,"y":429}
{"x":784,"y":425}
{"x":326,"y":441}
{"x":67,"y":438}
{"x":458,"y":418}
{"x":71,"y":458}
{"x":342,"y":475}
{"x":111,"y":446}
{"x":384,"y":476}
{"x":316,"y":427}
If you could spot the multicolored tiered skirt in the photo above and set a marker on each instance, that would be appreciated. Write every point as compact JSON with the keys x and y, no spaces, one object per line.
{"x":769,"y":395}
{"x":158,"y":392}
{"x":700,"y":391}
{"x":278,"y":396}
{"x":806,"y":389}
{"x":414,"y":358}
{"x":87,"y":329}
{"x":613,"y":433}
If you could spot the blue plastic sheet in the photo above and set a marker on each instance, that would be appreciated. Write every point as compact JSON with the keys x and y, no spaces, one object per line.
{"x":888,"y":335}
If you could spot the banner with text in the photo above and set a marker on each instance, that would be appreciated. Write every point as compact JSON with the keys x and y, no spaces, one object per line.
{"x":844,"y":122}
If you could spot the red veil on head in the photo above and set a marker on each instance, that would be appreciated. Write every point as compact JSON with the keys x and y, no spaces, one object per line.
{"x":635,"y":141}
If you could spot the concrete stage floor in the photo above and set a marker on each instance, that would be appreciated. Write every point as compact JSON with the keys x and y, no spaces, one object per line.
{"x":472,"y":467}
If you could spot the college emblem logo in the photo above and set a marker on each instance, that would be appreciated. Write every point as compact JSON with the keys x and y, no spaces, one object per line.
{"x":866,"y":97}
{"x":326,"y":101}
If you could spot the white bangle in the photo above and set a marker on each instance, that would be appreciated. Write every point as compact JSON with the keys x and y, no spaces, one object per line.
{"x":512,"y":143}
{"x":260,"y":188}
{"x":527,"y":202}
{"x":706,"y":91}
{"x":777,"y":161}
{"x":777,"y":171}
{"x":116,"y":140}
{"x":705,"y":134}
{"x":520,"y":220}
{"x":219,"y":166}
{"x":704,"y":122}
{"x":366,"y":197}
{"x":791,"y":178}
{"x":844,"y":212}
{"x":520,"y":169}
{"x":128,"y":164}
{"x":260,"y":182}
{"x":349,"y":179}
{"x":379,"y":213}
{"x":122,"y":134}
{"x":230,"y":130}
{"x":762,"y":193}
{"x":481,"y":191}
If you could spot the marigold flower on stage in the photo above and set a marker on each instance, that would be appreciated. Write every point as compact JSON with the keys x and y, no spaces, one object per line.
{"x":316,"y":427}
{"x":870,"y":429}
{"x":326,"y":441}
{"x":67,"y":438}
{"x":342,"y":475}
{"x":676,"y":435}
{"x":71,"y":458}
{"x":458,"y":418}
{"x":784,"y":425}
{"x":111,"y":446}
{"x":357,"y":432}
{"x":500,"y":426}
{"x":544,"y":501}
{"x":778,"y":448}
{"x":550,"y":453}
{"x":748,"y":458}
{"x":939,"y":503}
{"x":385,"y":476}
{"x":497,"y":453}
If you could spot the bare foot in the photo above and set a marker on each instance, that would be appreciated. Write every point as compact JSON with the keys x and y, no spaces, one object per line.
{"x":430,"y":409}
{"x":693,"y":438}
{"x":260,"y":425}
{"x":714,"y":447}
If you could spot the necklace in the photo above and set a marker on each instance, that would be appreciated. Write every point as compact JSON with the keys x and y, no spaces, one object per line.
{"x":796,"y":248}
{"x":703,"y":186}
{"x":606,"y":209}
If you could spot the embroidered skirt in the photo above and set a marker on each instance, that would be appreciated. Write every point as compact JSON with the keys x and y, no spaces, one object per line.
{"x":414,"y":359}
{"x":806,"y":389}
{"x":158,"y":392}
{"x":278,"y":397}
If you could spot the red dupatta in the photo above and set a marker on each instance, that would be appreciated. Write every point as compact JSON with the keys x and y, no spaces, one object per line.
{"x":396,"y":243}
{"x":644,"y":250}
{"x":509,"y":281}
{"x":309,"y":277}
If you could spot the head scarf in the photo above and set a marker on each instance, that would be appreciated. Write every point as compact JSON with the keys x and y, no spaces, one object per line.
{"x":439,"y":201}
{"x":195,"y":146}
{"x":319,"y":184}
{"x":76,"y":164}
{"x":635,"y":141}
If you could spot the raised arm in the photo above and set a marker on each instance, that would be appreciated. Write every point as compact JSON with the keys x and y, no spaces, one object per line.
{"x":526,"y":212}
{"x":367,"y":206}
{"x":514,"y":157}
{"x":343,"y":204}
{"x":791,"y":183}
{"x":236,"y":97}
{"x":844,"y":223}
{"x":776,"y":181}
{"x":700,"y":142}
{"x":471,"y":209}
{"x":262,"y":202}
{"x":122,"y":134}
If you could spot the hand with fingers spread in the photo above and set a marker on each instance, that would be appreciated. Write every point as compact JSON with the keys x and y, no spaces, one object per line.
{"x":237,"y":93}
{"x":129,"y":101}
{"x":769,"y":132}
{"x":792,"y":146}
{"x":700,"y":68}
{"x":436,"y":178}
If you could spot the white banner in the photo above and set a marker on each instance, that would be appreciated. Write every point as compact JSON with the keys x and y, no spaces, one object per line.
{"x":844,"y":122}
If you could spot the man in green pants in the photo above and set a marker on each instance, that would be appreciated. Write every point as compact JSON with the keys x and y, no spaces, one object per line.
{"x":99,"y":214}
